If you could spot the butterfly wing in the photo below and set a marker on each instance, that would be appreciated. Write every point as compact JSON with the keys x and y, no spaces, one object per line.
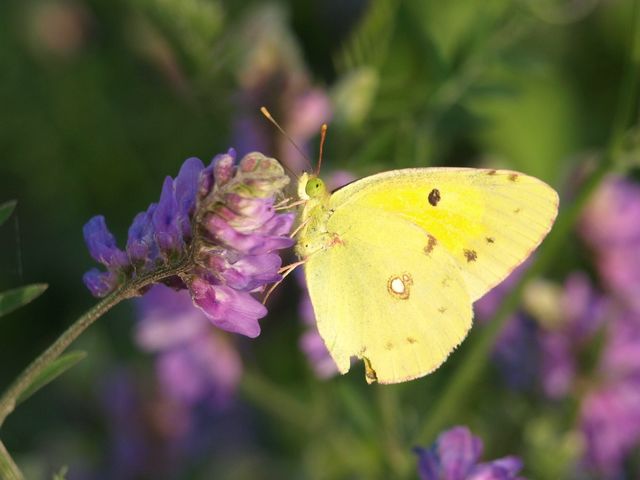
{"x":382,"y":294}
{"x":489,"y":221}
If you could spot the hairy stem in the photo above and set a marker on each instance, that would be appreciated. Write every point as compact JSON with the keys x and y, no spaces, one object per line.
{"x":470,"y":372}
{"x":128,"y":290}
{"x":8,"y":469}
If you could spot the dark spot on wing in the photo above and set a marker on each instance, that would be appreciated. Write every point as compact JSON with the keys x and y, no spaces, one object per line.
{"x":411,"y":340}
{"x":434,"y":197}
{"x":492,"y":172}
{"x":442,"y":309}
{"x":470,"y":255}
{"x":431,"y":243}
{"x":517,"y":210}
{"x":513,"y":177}
{"x":389,"y":346}
{"x":490,"y":240}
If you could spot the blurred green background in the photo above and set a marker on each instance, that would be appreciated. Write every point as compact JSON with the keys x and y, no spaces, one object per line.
{"x":100,"y":100}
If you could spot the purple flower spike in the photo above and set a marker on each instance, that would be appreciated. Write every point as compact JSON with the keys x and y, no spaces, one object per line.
{"x":102,"y":244}
{"x":455,"y":456}
{"x":220,"y":223}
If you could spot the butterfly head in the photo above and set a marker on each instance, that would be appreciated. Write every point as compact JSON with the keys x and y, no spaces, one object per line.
{"x":315,"y":187}
{"x":311,"y":186}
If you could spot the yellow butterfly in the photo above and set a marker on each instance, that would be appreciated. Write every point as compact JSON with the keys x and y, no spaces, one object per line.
{"x":394,"y":261}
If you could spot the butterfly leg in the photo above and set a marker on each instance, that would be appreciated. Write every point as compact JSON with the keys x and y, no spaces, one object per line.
{"x":285,"y":271}
{"x":284,"y":205}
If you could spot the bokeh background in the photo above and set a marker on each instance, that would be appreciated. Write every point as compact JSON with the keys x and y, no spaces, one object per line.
{"x":100,"y":100}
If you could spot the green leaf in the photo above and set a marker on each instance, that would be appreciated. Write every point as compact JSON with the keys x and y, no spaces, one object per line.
{"x":62,"y":473}
{"x":369,"y":43}
{"x":6,"y":209}
{"x":19,"y":297}
{"x":51,"y":372}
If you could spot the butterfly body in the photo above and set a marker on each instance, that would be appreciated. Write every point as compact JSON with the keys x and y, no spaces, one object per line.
{"x":395,"y":260}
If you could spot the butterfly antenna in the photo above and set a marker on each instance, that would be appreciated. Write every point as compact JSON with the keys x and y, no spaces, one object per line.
{"x":269,"y":117}
{"x":323,"y":137}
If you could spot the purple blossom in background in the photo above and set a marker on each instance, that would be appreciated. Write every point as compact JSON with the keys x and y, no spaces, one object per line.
{"x":145,"y":434}
{"x":221,"y":223}
{"x":456,"y":455}
{"x":610,"y":410}
{"x":195,"y":363}
{"x":311,"y":342}
{"x":272,"y":74}
{"x":516,"y":351}
{"x":583,"y":314}
{"x":611,"y":227}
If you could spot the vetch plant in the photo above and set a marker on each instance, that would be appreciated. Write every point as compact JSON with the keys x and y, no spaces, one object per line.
{"x":215,"y":232}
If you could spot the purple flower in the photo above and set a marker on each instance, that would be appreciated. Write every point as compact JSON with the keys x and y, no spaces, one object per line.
{"x":516,"y":350}
{"x":102,"y":244}
{"x":220,"y":224}
{"x":195,"y":362}
{"x":144,"y":433}
{"x":583,"y":313}
{"x":611,"y":228}
{"x":609,"y":413}
{"x":610,"y":422}
{"x":455,"y":456}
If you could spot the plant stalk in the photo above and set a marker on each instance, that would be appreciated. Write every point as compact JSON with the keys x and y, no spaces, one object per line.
{"x":8,"y":469}
{"x":8,"y":401}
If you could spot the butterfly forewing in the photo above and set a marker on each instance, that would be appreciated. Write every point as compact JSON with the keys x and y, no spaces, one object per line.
{"x":488,"y":220}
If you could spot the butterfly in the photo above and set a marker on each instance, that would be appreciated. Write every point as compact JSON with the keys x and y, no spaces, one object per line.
{"x":394,"y":261}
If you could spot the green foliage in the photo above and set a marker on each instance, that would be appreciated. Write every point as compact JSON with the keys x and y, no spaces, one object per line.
{"x":6,"y":209}
{"x":11,"y":300}
{"x":62,"y":474}
{"x":51,"y":372}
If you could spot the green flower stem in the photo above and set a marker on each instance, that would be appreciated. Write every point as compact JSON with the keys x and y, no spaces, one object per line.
{"x":458,"y":388}
{"x":8,"y":469}
{"x":276,"y":401}
{"x":128,"y":290}
{"x":26,"y":378}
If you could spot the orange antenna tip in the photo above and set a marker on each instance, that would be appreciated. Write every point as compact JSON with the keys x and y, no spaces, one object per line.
{"x":266,"y":113}
{"x":323,"y":136}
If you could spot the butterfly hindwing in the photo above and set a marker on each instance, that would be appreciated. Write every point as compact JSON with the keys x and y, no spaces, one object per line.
{"x":385,"y":294}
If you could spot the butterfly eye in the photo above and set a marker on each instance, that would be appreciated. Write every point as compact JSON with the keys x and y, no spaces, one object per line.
{"x":314,"y":187}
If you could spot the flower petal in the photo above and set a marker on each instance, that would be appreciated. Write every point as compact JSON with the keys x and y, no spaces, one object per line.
{"x":186,"y":187}
{"x":227,"y":308}
{"x":165,"y":219}
{"x":100,"y":283}
{"x":250,"y":243}
{"x":458,"y":451}
{"x":102,"y":244}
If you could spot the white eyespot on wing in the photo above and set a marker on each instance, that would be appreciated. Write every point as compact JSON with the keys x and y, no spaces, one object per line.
{"x":399,"y":286}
